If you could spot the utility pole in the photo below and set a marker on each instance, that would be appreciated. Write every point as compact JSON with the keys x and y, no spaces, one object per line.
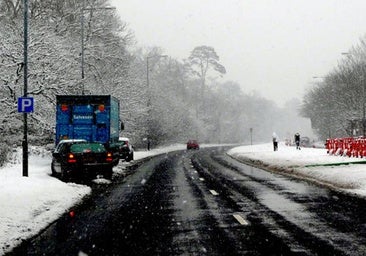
{"x":82,"y":48}
{"x":149,"y":97}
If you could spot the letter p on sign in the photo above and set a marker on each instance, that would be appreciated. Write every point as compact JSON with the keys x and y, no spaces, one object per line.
{"x":25,"y":104}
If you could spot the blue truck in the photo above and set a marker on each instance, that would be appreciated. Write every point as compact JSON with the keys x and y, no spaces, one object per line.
{"x":94,"y":118}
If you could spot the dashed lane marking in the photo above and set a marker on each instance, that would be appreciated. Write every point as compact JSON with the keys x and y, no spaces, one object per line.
{"x":202,"y":179}
{"x":214,"y":192}
{"x":240,"y":219}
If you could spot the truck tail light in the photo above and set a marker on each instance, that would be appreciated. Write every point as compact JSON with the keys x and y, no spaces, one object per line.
{"x":64,"y":108}
{"x":71,"y":158}
{"x":101,"y":107}
{"x":109,"y":157}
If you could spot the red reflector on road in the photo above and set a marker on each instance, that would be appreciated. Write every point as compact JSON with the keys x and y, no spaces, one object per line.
{"x":72,"y":214}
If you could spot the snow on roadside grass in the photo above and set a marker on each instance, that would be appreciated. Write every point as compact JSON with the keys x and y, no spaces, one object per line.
{"x":346,"y":173}
{"x":29,"y":204}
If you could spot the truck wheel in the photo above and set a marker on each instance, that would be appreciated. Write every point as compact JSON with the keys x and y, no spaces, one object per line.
{"x":116,"y":162}
{"x":108,"y":173}
{"x":129,"y":157}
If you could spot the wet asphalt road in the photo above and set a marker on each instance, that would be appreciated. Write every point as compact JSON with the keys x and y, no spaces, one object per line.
{"x":205,"y":203}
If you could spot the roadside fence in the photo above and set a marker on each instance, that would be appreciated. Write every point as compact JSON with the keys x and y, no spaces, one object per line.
{"x":349,"y":146}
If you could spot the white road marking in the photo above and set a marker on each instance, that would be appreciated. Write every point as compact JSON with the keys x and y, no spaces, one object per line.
{"x":202,"y":179}
{"x":240,"y":219}
{"x":214,"y":192}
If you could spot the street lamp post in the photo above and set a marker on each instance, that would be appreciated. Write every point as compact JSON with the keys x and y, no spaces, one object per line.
{"x":82,"y":39}
{"x":149,"y":96}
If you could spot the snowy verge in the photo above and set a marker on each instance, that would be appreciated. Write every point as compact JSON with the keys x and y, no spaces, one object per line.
{"x":343,"y":173}
{"x":29,"y":204}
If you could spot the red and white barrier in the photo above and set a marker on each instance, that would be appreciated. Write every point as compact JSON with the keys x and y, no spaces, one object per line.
{"x":349,"y":146}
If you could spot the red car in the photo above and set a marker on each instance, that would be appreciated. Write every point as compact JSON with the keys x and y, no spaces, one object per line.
{"x":193,"y":144}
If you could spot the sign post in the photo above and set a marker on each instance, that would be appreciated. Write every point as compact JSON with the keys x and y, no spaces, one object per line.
{"x":26,"y":102}
{"x":25,"y":105}
{"x":251,"y":136}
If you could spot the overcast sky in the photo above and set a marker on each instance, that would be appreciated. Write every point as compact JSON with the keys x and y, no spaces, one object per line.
{"x":274,"y":47}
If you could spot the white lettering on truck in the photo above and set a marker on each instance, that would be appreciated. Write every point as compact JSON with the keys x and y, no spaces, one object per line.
{"x":82,"y":117}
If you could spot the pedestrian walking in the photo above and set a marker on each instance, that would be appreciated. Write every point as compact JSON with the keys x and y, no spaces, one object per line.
{"x":275,"y":141}
{"x":297,"y":140}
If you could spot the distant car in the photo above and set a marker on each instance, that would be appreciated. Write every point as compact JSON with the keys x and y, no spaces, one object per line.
{"x":305,"y":142}
{"x":79,"y":158}
{"x":318,"y":144}
{"x":125,"y":149}
{"x":193,"y":144}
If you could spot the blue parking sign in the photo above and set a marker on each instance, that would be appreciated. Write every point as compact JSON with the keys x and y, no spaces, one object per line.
{"x":25,"y":104}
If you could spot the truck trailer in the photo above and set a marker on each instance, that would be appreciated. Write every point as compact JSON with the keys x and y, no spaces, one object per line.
{"x":94,"y":118}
